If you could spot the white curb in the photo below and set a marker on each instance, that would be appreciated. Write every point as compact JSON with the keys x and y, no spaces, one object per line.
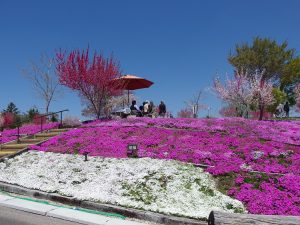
{"x":4,"y":198}
{"x":61,"y":213}
{"x":28,"y":206}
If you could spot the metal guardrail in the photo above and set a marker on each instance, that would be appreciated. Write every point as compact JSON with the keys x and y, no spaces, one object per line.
{"x":49,"y":114}
{"x":20,"y":123}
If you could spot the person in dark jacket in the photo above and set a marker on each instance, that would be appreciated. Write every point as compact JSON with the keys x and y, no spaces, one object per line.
{"x":162,"y":109}
{"x":135,"y":109}
{"x":286,"y":109}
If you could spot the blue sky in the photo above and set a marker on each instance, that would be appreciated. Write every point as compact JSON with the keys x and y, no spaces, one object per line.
{"x":179,"y":45}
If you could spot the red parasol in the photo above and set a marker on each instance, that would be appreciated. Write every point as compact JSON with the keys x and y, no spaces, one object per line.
{"x":130,"y":82}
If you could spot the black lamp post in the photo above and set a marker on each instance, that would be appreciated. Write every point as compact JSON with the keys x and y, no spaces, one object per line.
{"x":85,"y":156}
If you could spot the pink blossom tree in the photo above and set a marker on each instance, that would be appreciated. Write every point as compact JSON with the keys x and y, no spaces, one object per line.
{"x":297,"y":95}
{"x":118,"y":102}
{"x":242,"y":92}
{"x":236,"y":92}
{"x":91,"y":78}
{"x":261,"y":92}
{"x":9,"y":118}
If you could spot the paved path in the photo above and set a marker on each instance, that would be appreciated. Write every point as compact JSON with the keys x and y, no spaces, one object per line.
{"x":14,"y":210}
{"x":10,"y":216}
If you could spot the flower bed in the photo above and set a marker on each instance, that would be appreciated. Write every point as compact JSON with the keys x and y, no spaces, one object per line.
{"x":164,"y":186}
{"x":28,"y":129}
{"x":232,"y":147}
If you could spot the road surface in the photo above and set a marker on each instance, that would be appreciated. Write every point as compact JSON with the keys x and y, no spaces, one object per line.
{"x":9,"y":216}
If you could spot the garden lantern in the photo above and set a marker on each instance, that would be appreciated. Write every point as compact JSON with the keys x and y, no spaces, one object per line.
{"x":85,"y":156}
{"x":132,"y":151}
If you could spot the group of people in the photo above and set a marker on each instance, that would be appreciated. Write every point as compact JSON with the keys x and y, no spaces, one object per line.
{"x":147,"y":109}
{"x":282,"y":110}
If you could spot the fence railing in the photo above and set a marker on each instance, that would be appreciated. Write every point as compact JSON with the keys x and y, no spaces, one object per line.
{"x":50,"y":114}
{"x":42,"y":118}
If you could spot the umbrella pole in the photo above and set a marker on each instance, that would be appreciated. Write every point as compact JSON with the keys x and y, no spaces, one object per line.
{"x":128,"y":97}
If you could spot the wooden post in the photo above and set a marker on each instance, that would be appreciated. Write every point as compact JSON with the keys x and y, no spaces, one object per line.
{"x":222,"y":218}
{"x":61,"y":123}
{"x":41,"y":124}
{"x":18,"y":140}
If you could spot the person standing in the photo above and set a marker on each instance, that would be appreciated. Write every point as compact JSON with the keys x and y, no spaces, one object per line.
{"x":286,"y":109}
{"x":279,"y":111}
{"x":162,"y":109}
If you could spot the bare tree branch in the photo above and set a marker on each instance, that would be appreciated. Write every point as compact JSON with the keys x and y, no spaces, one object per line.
{"x":194,"y":103}
{"x":43,"y":78}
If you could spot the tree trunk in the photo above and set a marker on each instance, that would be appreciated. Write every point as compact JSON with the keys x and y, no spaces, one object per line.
{"x":261,"y":111}
{"x":47,"y":108}
{"x":98,"y":111}
{"x":222,"y":218}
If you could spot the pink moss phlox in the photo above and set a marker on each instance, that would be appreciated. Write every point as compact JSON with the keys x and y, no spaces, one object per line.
{"x":231,"y":145}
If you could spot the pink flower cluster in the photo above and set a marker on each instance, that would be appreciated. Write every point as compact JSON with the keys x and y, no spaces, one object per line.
{"x":8,"y":135}
{"x":229,"y":146}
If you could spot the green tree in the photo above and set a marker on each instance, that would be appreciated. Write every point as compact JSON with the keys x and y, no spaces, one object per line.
{"x":280,"y":97}
{"x":53,"y":118}
{"x":11,"y":108}
{"x":291,"y":78}
{"x":31,"y":113}
{"x":265,"y":55}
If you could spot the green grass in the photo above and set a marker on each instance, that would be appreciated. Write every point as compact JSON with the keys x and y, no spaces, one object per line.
{"x":225,"y":182}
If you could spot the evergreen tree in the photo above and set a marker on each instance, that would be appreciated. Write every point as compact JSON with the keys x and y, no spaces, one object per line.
{"x":11,"y":108}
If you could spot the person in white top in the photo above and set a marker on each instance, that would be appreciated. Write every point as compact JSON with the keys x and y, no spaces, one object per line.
{"x":146,"y":107}
{"x":279,"y":111}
